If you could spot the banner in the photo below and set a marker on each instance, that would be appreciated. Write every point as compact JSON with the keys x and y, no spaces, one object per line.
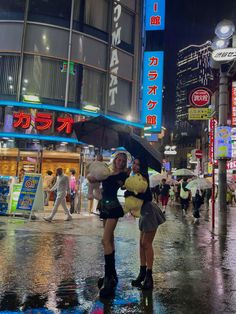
{"x":31,"y":192}
{"x":16,"y":189}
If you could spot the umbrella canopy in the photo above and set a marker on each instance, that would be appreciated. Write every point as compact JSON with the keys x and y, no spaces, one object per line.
{"x":101,"y":132}
{"x":183,"y":173}
{"x":155,"y":179}
{"x":199,"y":183}
{"x":138,"y":146}
{"x":172,"y":181}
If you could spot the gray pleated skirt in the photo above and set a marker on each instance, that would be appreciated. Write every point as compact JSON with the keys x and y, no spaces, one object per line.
{"x":151,"y":217}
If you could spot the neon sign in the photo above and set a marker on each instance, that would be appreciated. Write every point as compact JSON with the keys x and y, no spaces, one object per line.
{"x":154,"y":15}
{"x":152,"y":89}
{"x":42,"y":122}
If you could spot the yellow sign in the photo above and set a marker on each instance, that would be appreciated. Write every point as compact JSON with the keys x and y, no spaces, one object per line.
{"x":210,"y":168}
{"x":199,"y":113}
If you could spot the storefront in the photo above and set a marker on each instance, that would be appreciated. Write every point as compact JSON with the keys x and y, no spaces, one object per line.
{"x":37,"y":139}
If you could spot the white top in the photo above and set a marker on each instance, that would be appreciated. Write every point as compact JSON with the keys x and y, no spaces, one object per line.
{"x":62,"y":185}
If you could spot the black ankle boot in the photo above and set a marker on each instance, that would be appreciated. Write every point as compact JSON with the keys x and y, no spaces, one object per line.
{"x":141,"y":276}
{"x":108,"y":288}
{"x":148,"y":281}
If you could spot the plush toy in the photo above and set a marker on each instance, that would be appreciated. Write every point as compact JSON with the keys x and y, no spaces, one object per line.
{"x":136,"y":184}
{"x":98,"y":171}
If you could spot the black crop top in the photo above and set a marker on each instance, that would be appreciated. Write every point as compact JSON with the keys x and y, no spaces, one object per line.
{"x":112,"y":184}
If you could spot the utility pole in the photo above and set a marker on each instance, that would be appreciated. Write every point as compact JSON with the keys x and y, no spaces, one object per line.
{"x":223,"y":111}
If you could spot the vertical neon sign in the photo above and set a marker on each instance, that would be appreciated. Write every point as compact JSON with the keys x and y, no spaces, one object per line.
{"x":155,"y":15}
{"x":152,"y":89}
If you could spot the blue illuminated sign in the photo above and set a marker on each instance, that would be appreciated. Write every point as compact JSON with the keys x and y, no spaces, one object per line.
{"x":152,"y":89}
{"x":223,"y":142}
{"x":154,"y":15}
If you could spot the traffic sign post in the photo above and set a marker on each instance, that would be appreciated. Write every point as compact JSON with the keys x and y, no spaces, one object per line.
{"x":198,"y":154}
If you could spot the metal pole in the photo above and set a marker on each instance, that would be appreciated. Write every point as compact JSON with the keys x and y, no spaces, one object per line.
{"x":69,"y":56}
{"x":223,"y":111}
{"x":213,"y":196}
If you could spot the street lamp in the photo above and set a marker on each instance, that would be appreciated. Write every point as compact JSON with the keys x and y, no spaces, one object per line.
{"x":224,"y":32}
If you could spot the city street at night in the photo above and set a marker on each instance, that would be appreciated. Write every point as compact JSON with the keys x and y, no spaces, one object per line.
{"x":54,"y":267}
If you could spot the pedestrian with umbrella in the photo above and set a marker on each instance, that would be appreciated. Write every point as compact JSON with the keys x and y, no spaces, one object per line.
{"x":184,"y":195}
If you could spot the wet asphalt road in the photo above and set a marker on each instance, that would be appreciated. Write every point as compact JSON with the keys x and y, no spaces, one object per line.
{"x":53,"y":268}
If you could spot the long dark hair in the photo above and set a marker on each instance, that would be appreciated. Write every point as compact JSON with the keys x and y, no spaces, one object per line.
{"x":143,"y":168}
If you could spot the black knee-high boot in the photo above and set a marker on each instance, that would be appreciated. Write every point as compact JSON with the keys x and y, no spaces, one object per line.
{"x":114,"y":267}
{"x":141,"y":276}
{"x":113,"y":270}
{"x":109,"y":282}
{"x":148,"y":281}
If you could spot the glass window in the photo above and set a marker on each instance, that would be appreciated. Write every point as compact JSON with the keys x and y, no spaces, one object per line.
{"x":127,"y":23}
{"x":96,"y":14}
{"x":129,"y":3}
{"x":9,"y":66}
{"x":47,"y":40}
{"x":121,"y":98}
{"x":125,"y":67}
{"x":44,"y":78}
{"x":11,"y":36}
{"x":12,"y":9}
{"x":92,"y":89}
{"x":77,"y":18}
{"x":50,"y":11}
{"x":89,"y":51}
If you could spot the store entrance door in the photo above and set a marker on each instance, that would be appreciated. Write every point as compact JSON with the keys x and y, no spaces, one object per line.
{"x":29,"y":160}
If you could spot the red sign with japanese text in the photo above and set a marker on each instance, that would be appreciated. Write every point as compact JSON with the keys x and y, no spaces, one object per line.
{"x":200,"y":97}
{"x":43,"y":121}
{"x":233,"y":103}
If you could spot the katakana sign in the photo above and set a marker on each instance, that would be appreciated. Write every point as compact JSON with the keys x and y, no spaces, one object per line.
{"x":152,"y":89}
{"x":154,"y":15}
{"x":42,"y":121}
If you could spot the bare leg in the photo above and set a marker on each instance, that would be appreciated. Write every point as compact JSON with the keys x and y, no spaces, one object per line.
{"x":108,"y":235}
{"x":141,"y":250}
{"x":147,"y":240}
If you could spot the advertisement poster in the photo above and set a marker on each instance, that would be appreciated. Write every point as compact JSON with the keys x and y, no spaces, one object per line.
{"x":28,"y":192}
{"x":223,"y":142}
{"x":15,"y":196}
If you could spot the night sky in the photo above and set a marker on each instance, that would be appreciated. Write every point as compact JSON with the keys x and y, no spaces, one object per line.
{"x":188,"y":22}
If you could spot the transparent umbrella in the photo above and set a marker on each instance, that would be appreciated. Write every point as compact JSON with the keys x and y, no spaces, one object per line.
{"x":199,"y":183}
{"x":183,"y":173}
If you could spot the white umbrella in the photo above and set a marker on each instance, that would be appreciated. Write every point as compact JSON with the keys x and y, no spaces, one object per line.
{"x":199,"y":183}
{"x":183,"y":173}
{"x":155,"y":179}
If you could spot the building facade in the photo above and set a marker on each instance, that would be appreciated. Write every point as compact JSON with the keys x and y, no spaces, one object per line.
{"x":61,"y":61}
{"x":193,"y":70}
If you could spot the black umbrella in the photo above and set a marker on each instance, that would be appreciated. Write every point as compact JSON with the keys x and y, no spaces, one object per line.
{"x":138,"y":146}
{"x":101,"y":132}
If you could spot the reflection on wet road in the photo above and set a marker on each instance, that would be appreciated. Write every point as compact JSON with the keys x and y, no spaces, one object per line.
{"x":54,"y":268}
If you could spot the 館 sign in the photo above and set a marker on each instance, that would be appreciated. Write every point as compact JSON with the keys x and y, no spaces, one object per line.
{"x":152,"y":89}
{"x":154,"y":15}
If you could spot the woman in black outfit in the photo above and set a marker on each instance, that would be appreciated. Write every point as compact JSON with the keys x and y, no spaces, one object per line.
{"x":151,"y":218}
{"x":110,"y":211}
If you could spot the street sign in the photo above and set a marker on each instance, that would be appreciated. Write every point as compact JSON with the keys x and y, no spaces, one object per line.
{"x":200,"y":97}
{"x":226,"y":54}
{"x":198,"y":154}
{"x":199,"y":113}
